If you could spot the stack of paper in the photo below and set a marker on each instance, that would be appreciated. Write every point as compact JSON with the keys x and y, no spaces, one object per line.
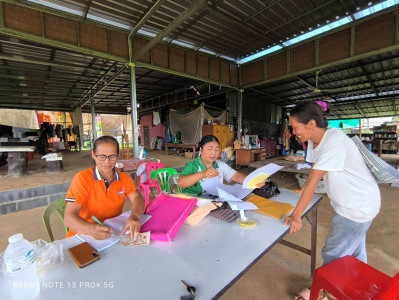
{"x":117,"y":225}
{"x":270,"y":208}
{"x":228,"y":193}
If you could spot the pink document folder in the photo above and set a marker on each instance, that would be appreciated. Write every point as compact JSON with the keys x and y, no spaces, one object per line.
{"x":167,"y":216}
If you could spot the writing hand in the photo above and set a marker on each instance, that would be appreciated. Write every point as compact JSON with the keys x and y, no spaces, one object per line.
{"x":102,"y":232}
{"x":209,"y":173}
{"x":294,"y":222}
{"x":133,"y":224}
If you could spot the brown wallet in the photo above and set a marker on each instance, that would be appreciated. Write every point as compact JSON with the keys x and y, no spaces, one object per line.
{"x":83,"y":254}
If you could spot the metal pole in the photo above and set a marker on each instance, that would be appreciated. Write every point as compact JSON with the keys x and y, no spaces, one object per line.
{"x":313,"y":242}
{"x":239,"y":115}
{"x":93,"y":120}
{"x":133,"y":105}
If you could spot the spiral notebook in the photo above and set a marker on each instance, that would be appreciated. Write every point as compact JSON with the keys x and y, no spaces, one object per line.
{"x":117,"y":224}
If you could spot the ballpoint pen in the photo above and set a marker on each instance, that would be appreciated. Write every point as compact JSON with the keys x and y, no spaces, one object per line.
{"x":96,"y":220}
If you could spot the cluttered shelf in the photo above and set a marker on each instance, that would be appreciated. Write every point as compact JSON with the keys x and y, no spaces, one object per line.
{"x":387,"y":135}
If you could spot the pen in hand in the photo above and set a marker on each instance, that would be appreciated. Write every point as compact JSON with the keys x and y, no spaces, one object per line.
{"x":98,"y":221}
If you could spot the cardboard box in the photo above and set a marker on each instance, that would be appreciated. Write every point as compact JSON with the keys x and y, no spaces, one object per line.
{"x":237,"y":144}
{"x":189,"y":154}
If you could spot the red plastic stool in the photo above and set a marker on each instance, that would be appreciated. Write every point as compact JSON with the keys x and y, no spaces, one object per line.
{"x":350,"y":278}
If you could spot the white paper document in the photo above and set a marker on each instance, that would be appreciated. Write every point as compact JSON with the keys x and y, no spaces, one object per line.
{"x":236,"y":190}
{"x":212,"y":185}
{"x":202,"y":202}
{"x":260,"y":175}
{"x":117,"y":225}
{"x":225,"y":196}
{"x":243,"y":205}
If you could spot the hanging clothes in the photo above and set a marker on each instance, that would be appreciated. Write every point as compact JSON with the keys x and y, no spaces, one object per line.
{"x":286,"y":138}
{"x":155,"y":118}
{"x":58,"y":131}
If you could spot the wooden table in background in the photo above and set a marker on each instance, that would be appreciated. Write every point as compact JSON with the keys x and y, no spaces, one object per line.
{"x":247,"y":156}
{"x":182,"y":146}
{"x":279,"y":160}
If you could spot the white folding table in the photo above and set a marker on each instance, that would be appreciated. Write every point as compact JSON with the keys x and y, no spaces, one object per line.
{"x":210,"y":256}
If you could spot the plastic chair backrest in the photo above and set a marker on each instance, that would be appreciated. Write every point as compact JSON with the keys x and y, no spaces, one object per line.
{"x":149,"y":167}
{"x":162,"y":177}
{"x":58,"y":206}
{"x":173,"y":183}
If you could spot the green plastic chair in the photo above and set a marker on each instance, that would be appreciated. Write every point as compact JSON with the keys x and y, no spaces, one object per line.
{"x":58,"y":206}
{"x":173,"y":179}
{"x":162,"y":177}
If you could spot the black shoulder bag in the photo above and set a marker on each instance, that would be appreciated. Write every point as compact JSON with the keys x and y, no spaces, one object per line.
{"x":267,"y":191}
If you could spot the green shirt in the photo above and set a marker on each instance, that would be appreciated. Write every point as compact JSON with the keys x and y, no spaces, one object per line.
{"x":192,"y":167}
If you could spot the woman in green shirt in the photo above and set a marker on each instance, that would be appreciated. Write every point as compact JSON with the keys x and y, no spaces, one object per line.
{"x":207,"y":166}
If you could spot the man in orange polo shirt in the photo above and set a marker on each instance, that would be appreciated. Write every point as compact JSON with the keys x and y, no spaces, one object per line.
{"x":100,"y":191}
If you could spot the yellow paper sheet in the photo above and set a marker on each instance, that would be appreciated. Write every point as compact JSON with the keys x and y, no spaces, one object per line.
{"x":271,"y":208}
{"x":257,"y":179}
{"x":183,"y":196}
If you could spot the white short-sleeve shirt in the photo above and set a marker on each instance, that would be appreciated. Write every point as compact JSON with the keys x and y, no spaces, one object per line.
{"x":225,"y":172}
{"x":353,"y":190}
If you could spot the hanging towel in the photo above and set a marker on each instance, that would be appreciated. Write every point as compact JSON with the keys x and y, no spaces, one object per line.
{"x":156,"y":119}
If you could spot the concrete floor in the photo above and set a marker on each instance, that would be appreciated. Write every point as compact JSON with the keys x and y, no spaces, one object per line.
{"x":282,"y":272}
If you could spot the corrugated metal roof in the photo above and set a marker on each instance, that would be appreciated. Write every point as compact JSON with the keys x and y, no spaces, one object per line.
{"x":364,"y":88}
{"x":34,"y":75}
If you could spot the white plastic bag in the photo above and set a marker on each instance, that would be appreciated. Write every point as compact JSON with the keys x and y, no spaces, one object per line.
{"x":47,"y":255}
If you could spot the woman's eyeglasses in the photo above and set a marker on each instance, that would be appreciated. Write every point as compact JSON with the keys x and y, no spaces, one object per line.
{"x":103,"y":157}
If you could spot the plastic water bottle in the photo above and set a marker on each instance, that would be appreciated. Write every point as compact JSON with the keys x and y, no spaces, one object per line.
{"x":20,"y":264}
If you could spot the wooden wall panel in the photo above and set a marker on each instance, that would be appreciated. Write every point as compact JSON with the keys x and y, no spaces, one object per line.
{"x":335,"y":46}
{"x":14,"y":14}
{"x":234,"y":75}
{"x":302,"y":57}
{"x":93,"y":37}
{"x":119,"y":44}
{"x":375,"y":34}
{"x":160,"y":56}
{"x":191,"y":63}
{"x":61,"y":29}
{"x":139,"y":43}
{"x":203,"y":68}
{"x":225,"y":71}
{"x":214,"y":69}
{"x":176,"y":59}
{"x":277,"y":65}
{"x":252,"y":72}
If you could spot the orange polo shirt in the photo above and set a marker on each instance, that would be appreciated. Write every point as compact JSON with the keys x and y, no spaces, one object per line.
{"x":89,"y":190}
